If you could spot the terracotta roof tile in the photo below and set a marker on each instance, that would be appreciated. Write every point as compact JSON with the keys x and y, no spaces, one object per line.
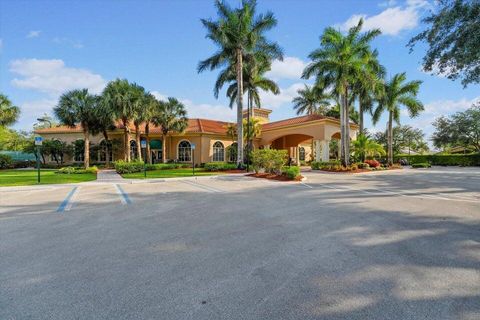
{"x":292,"y":121}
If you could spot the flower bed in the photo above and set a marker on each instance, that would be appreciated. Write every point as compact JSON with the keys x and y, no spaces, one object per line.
{"x":272,"y":176}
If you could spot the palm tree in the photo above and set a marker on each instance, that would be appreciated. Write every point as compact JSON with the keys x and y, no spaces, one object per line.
{"x":150,"y":104}
{"x":77,"y":107}
{"x":122,"y":97}
{"x":368,"y":88}
{"x":396,"y":93}
{"x":8,"y":112}
{"x":252,"y":130}
{"x":238,"y":34}
{"x":363,"y":147}
{"x":104,"y":122}
{"x":311,"y":100}
{"x":141,"y":114}
{"x":339,"y":63}
{"x":169,"y":115}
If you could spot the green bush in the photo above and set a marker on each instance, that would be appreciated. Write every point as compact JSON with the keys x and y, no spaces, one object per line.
{"x":291,"y":172}
{"x":330,"y":165}
{"x":122,"y":166}
{"x":5,"y":161}
{"x":73,"y":170}
{"x":472,"y":159}
{"x":219,"y":166}
{"x":270,"y":160}
{"x":421,"y":165}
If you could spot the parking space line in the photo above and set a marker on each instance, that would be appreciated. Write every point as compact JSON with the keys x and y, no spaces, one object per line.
{"x":306,"y":185}
{"x":66,"y":204}
{"x":124,"y":198}
{"x":201,"y":186}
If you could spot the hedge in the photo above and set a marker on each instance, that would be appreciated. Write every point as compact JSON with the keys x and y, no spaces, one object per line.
{"x":5,"y":161}
{"x":73,"y":170}
{"x":421,"y":165}
{"x":291,"y":172}
{"x":219,"y":166}
{"x":472,"y":159}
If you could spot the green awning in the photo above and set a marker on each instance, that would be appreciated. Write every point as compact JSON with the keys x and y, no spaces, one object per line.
{"x":155,"y":144}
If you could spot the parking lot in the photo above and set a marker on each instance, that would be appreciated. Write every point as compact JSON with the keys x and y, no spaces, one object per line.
{"x":401,"y":244}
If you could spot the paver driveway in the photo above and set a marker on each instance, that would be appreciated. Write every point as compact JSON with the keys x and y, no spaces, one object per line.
{"x":387,"y":245}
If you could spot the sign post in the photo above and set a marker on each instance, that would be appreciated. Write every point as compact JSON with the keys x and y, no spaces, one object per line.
{"x":38,"y":145}
{"x":193,"y":158}
{"x":143,"y":144}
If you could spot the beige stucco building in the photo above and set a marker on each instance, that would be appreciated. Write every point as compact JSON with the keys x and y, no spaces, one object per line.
{"x":212,"y":143}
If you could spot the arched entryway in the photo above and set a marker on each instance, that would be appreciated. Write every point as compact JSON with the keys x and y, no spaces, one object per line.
{"x":298,"y":146}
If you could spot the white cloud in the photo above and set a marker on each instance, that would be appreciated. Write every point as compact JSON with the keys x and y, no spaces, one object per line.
{"x":289,"y":68}
{"x":34,"y":34}
{"x":271,"y":101}
{"x":388,"y":3}
{"x":446,"y":107}
{"x":53,"y":77}
{"x":390,"y":21}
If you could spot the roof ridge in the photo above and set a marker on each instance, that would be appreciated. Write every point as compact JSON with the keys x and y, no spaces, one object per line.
{"x":200,"y":124}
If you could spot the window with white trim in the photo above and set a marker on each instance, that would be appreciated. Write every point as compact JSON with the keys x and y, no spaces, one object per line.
{"x":184,"y":151}
{"x":218,"y":152}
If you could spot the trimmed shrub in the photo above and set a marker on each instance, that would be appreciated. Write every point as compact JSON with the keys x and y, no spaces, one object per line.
{"x":5,"y":161}
{"x":421,"y":165}
{"x":73,"y":170}
{"x":373,"y":163}
{"x":122,"y":166}
{"x":270,"y":160}
{"x":291,"y":172}
{"x":472,"y":159}
{"x":330,"y":165}
{"x":363,"y":165}
{"x":219,"y":166}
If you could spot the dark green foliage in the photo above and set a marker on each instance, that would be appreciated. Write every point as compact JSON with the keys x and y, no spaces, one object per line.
{"x":443,"y":159}
{"x":5,"y":161}
{"x":219,"y":166}
{"x":421,"y":165}
{"x":453,"y":37}
{"x":291,"y":172}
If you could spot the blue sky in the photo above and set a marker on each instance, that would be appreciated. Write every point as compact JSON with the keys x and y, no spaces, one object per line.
{"x":48,"y":47}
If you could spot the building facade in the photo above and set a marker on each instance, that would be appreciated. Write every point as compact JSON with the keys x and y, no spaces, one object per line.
{"x":306,"y":138}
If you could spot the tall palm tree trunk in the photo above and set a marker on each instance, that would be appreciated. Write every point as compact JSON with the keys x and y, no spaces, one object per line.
{"x":164,"y":147}
{"x":342,"y":131}
{"x":346,"y":118}
{"x":107,"y":149}
{"x":86,"y":148}
{"x":137,"y":141}
{"x":390,"y":138}
{"x":239,"y":70}
{"x":148,"y":156}
{"x":126,"y":143}
{"x":360,"y":116}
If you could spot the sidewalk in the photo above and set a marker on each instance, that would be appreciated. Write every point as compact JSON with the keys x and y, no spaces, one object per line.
{"x":108,"y":175}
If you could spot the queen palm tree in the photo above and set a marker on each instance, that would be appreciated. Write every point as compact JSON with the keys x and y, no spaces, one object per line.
{"x":238,"y":34}
{"x":363,"y":147}
{"x":339,"y":63}
{"x":169,"y":115}
{"x":311,"y":100}
{"x":8,"y":112}
{"x":77,"y":107}
{"x":397,"y":93}
{"x":123,"y":98}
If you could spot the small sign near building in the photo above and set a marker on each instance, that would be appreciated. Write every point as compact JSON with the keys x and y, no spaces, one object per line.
{"x":38,"y":141}
{"x":143,"y":144}
{"x":193,"y":146}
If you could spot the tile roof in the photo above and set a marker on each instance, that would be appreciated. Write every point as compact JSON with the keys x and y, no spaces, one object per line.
{"x":293,"y":121}
{"x":194,"y":126}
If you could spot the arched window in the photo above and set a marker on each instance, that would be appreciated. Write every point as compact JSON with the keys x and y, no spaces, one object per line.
{"x":301,"y":153}
{"x":218,"y":151}
{"x":78,"y":150}
{"x":232,"y":152}
{"x":102,"y":152}
{"x":133,"y":149}
{"x":184,"y":151}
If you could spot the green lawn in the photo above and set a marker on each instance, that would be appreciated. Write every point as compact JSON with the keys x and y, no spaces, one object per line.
{"x":29,"y":177}
{"x":171,"y":173}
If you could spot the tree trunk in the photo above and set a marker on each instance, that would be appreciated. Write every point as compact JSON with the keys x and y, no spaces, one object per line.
{"x":137,"y":141}
{"x":126,"y":143}
{"x":148,"y":156}
{"x":164,"y":147}
{"x":107,"y":149}
{"x":342,"y":130}
{"x":360,"y":114}
{"x":239,"y":66}
{"x":86,"y":148}
{"x":390,"y":138}
{"x":347,"y":129}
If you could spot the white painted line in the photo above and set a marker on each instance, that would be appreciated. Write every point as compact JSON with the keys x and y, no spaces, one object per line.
{"x":123,"y":196}
{"x":201,"y":186}
{"x":306,"y":185}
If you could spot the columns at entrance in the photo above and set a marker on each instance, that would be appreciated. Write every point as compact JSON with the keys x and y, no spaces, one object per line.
{"x":318,"y":155}
{"x":325,"y":150}
{"x":297,"y":155}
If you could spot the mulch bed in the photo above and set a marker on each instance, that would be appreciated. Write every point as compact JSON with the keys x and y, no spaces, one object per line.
{"x":276,"y":177}
{"x":233,"y":171}
{"x":356,"y":171}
